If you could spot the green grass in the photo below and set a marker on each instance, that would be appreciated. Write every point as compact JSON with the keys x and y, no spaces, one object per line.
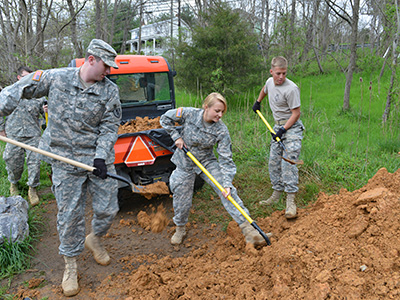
{"x":340,"y":149}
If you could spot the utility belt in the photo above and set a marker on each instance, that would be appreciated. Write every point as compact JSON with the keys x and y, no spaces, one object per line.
{"x":281,"y":122}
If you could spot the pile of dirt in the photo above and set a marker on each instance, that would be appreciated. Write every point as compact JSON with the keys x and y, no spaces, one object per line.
{"x":139,"y":124}
{"x":345,"y":246}
{"x":154,"y":189}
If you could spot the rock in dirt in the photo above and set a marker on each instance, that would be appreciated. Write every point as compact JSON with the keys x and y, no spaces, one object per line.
{"x":13,"y":219}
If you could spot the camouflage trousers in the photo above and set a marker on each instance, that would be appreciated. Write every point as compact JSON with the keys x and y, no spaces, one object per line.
{"x":283,"y":175}
{"x":182,"y":184}
{"x":14,"y":157}
{"x":71,"y":189}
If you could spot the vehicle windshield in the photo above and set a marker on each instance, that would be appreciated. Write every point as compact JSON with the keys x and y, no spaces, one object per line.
{"x":142,"y":88}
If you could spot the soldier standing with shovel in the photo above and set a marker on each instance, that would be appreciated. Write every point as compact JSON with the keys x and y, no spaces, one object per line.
{"x":284,"y":101}
{"x":84,"y":115}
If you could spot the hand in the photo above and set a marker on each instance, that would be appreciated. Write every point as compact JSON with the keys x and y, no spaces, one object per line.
{"x":101,"y":168}
{"x":256,"y":106}
{"x":227,"y":193}
{"x":279,"y":133}
{"x":179,"y":143}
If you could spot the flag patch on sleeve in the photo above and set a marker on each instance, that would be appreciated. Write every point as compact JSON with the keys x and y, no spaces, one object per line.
{"x":179,"y":112}
{"x":37,"y":75}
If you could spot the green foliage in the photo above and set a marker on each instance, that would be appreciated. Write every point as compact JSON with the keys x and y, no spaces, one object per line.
{"x":368,"y":62}
{"x":221,"y":55}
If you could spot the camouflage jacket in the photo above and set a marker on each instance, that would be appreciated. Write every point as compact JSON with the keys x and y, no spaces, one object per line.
{"x":82,"y":123}
{"x":24,"y":121}
{"x":200,"y":140}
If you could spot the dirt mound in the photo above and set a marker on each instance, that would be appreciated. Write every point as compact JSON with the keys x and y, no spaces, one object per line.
{"x":139,"y":124}
{"x":343,"y":246}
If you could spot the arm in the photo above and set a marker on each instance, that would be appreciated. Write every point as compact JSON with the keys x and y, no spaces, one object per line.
{"x":261,"y":96}
{"x":168,"y":121}
{"x":293,"y":118}
{"x":34,"y":85}
{"x":108,"y":127}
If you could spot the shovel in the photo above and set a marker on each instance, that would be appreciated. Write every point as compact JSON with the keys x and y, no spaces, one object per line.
{"x":135,"y":188}
{"x":202,"y":168}
{"x":293,"y":162}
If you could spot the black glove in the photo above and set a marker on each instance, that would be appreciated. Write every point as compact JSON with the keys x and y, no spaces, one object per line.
{"x":101,"y":168}
{"x":279,"y":133}
{"x":256,"y":106}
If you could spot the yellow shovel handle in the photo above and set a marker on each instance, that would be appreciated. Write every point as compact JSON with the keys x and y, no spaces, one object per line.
{"x":222,"y":189}
{"x":266,"y":123}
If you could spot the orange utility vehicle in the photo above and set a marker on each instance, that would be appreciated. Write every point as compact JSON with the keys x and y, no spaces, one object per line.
{"x":146,"y":87}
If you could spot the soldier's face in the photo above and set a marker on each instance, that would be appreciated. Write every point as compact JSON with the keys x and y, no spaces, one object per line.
{"x":278,"y":75}
{"x":23,"y":74}
{"x":100,"y":70}
{"x":214,"y":113}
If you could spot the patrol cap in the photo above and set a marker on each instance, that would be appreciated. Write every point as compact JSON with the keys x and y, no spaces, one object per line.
{"x":103,"y":50}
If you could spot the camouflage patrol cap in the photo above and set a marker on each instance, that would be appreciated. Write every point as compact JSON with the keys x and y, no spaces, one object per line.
{"x":103,"y":50}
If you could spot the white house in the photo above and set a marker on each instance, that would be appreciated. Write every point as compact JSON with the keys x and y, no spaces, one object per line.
{"x":155,"y":37}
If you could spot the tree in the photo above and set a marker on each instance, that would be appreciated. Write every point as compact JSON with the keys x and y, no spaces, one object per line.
{"x":395,"y":54}
{"x":222,"y":54}
{"x":353,"y":22}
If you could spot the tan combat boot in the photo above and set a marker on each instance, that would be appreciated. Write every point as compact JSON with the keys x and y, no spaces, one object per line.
{"x":291,"y":210}
{"x":70,"y":280}
{"x":92,"y":242}
{"x":178,"y":236}
{"x":252,"y":235}
{"x":14,"y":190}
{"x":33,"y":196}
{"x":276,"y":195}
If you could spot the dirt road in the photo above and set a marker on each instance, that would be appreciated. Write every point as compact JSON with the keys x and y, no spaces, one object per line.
{"x":345,"y":246}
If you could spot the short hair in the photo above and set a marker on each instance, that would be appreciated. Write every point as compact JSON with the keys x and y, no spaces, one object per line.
{"x":22,"y":69}
{"x":279,"y":62}
{"x":212,"y":98}
{"x":95,"y":56}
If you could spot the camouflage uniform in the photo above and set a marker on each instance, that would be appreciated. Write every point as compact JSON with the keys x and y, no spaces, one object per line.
{"x":82,"y":126}
{"x":23,"y":126}
{"x":200,"y":140}
{"x":283,"y":175}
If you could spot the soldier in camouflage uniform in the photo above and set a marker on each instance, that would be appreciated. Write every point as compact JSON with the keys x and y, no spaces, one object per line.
{"x":202,"y":130}
{"x":84,"y":115}
{"x":23,"y":126}
{"x":284,"y":101}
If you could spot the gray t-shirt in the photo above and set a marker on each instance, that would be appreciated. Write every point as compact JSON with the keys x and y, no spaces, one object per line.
{"x":282,"y":98}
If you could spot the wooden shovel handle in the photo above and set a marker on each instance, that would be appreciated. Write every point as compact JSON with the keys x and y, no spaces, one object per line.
{"x":48,"y":154}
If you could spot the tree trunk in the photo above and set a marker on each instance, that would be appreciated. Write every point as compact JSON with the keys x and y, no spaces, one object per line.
{"x":98,"y":19}
{"x":386,"y":113}
{"x":353,"y":55}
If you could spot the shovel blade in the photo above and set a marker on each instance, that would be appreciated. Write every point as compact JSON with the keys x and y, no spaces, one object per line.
{"x":293,"y":162}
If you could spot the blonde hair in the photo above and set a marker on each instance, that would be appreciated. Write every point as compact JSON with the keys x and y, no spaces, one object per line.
{"x":212,"y":98}
{"x":279,"y":62}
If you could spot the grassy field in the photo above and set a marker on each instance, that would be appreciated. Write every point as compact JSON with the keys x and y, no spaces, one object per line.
{"x":340,"y":149}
